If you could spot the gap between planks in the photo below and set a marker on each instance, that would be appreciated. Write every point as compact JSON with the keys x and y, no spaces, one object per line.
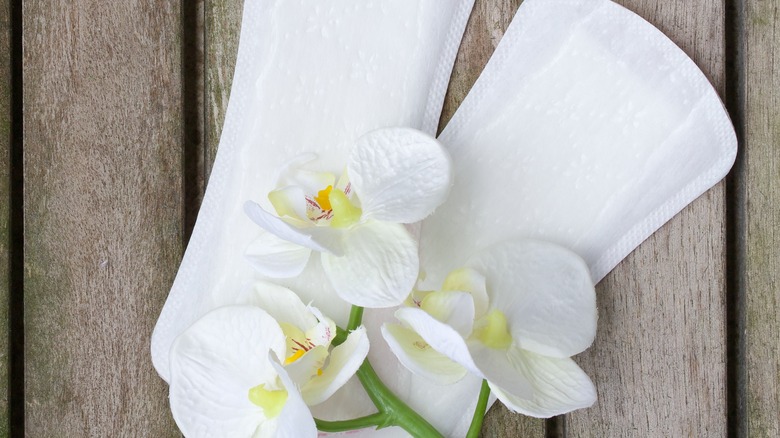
{"x":16,"y":230}
{"x":736,"y":226}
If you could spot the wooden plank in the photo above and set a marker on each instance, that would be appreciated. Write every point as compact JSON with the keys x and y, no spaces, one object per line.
{"x":659,"y":358}
{"x":5,"y":153}
{"x":223,"y":26}
{"x":486,"y":26}
{"x":762,"y":137}
{"x":103,"y":208}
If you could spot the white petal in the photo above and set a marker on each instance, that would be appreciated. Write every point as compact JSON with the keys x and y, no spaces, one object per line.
{"x":455,"y":309}
{"x":440,"y":336}
{"x":471,"y":281}
{"x":322,"y":239}
{"x":324,"y":331}
{"x":559,"y":386}
{"x":283,"y":305}
{"x":400,"y":174}
{"x":274,"y":257}
{"x":419,"y":357}
{"x":498,"y":368}
{"x":303,"y":369}
{"x":214,"y":363}
{"x":344,"y":362}
{"x":295,"y":420}
{"x":379,"y":266}
{"x":308,"y":181}
{"x":546,"y":293}
{"x":289,"y":201}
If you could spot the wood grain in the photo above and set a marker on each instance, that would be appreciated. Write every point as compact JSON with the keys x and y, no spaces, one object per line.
{"x":103,"y":209}
{"x":5,"y":137}
{"x":659,"y":358}
{"x":223,"y":27}
{"x":763,"y":217}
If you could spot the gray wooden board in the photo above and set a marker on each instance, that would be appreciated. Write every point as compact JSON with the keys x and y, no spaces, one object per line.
{"x":5,"y":137}
{"x":102,"y":219}
{"x":763,"y":217}
{"x":659,"y":358}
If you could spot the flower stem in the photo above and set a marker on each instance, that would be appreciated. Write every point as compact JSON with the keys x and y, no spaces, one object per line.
{"x":375,"y":420}
{"x":392,"y":411}
{"x":398,"y":413}
{"x":479,"y":411}
{"x":355,"y":318}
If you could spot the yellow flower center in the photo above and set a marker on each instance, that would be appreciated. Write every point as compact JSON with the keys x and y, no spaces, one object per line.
{"x":344,"y":212}
{"x":295,"y":356}
{"x":270,"y":401}
{"x":296,"y":341}
{"x":492,"y":330}
{"x":322,"y":198}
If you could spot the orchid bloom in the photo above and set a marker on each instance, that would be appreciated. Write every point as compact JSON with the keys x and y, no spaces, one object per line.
{"x":513,"y":317}
{"x":251,"y":370}
{"x":395,"y":176}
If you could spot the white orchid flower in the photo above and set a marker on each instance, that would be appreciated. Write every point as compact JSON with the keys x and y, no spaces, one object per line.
{"x":513,"y":317}
{"x":247,"y":371}
{"x":225,"y":380}
{"x":396,"y":176}
{"x":318,"y":368}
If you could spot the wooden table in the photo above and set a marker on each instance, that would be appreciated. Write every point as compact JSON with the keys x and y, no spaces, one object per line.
{"x":110,"y":120}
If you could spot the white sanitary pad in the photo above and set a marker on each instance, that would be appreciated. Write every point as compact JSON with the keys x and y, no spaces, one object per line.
{"x":588,"y":128}
{"x":310,"y":77}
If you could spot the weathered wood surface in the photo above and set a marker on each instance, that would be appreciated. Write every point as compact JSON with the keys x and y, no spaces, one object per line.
{"x":762,"y":141}
{"x":659,"y":358}
{"x":103,"y":208}
{"x":5,"y":153}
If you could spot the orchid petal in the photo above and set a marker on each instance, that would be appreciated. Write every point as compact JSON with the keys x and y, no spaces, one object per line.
{"x":322,"y":239}
{"x":310,"y":182}
{"x":306,"y":367}
{"x":440,"y":336}
{"x":283,"y":305}
{"x":546,"y":293}
{"x":289,"y":201}
{"x":214,"y":363}
{"x":499,"y":369}
{"x":559,"y":386}
{"x":400,"y":175}
{"x":323,"y":331}
{"x":274,"y":257}
{"x":419,"y":357}
{"x":344,"y":361}
{"x":471,"y":281}
{"x":455,"y":309}
{"x":296,"y":420}
{"x":379,"y":266}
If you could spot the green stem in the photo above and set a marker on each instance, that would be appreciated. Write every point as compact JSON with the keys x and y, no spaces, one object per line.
{"x":479,"y":411}
{"x":355,"y":318}
{"x":341,"y":336}
{"x":398,"y":413}
{"x":373,"y":420}
{"x":392,"y":411}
